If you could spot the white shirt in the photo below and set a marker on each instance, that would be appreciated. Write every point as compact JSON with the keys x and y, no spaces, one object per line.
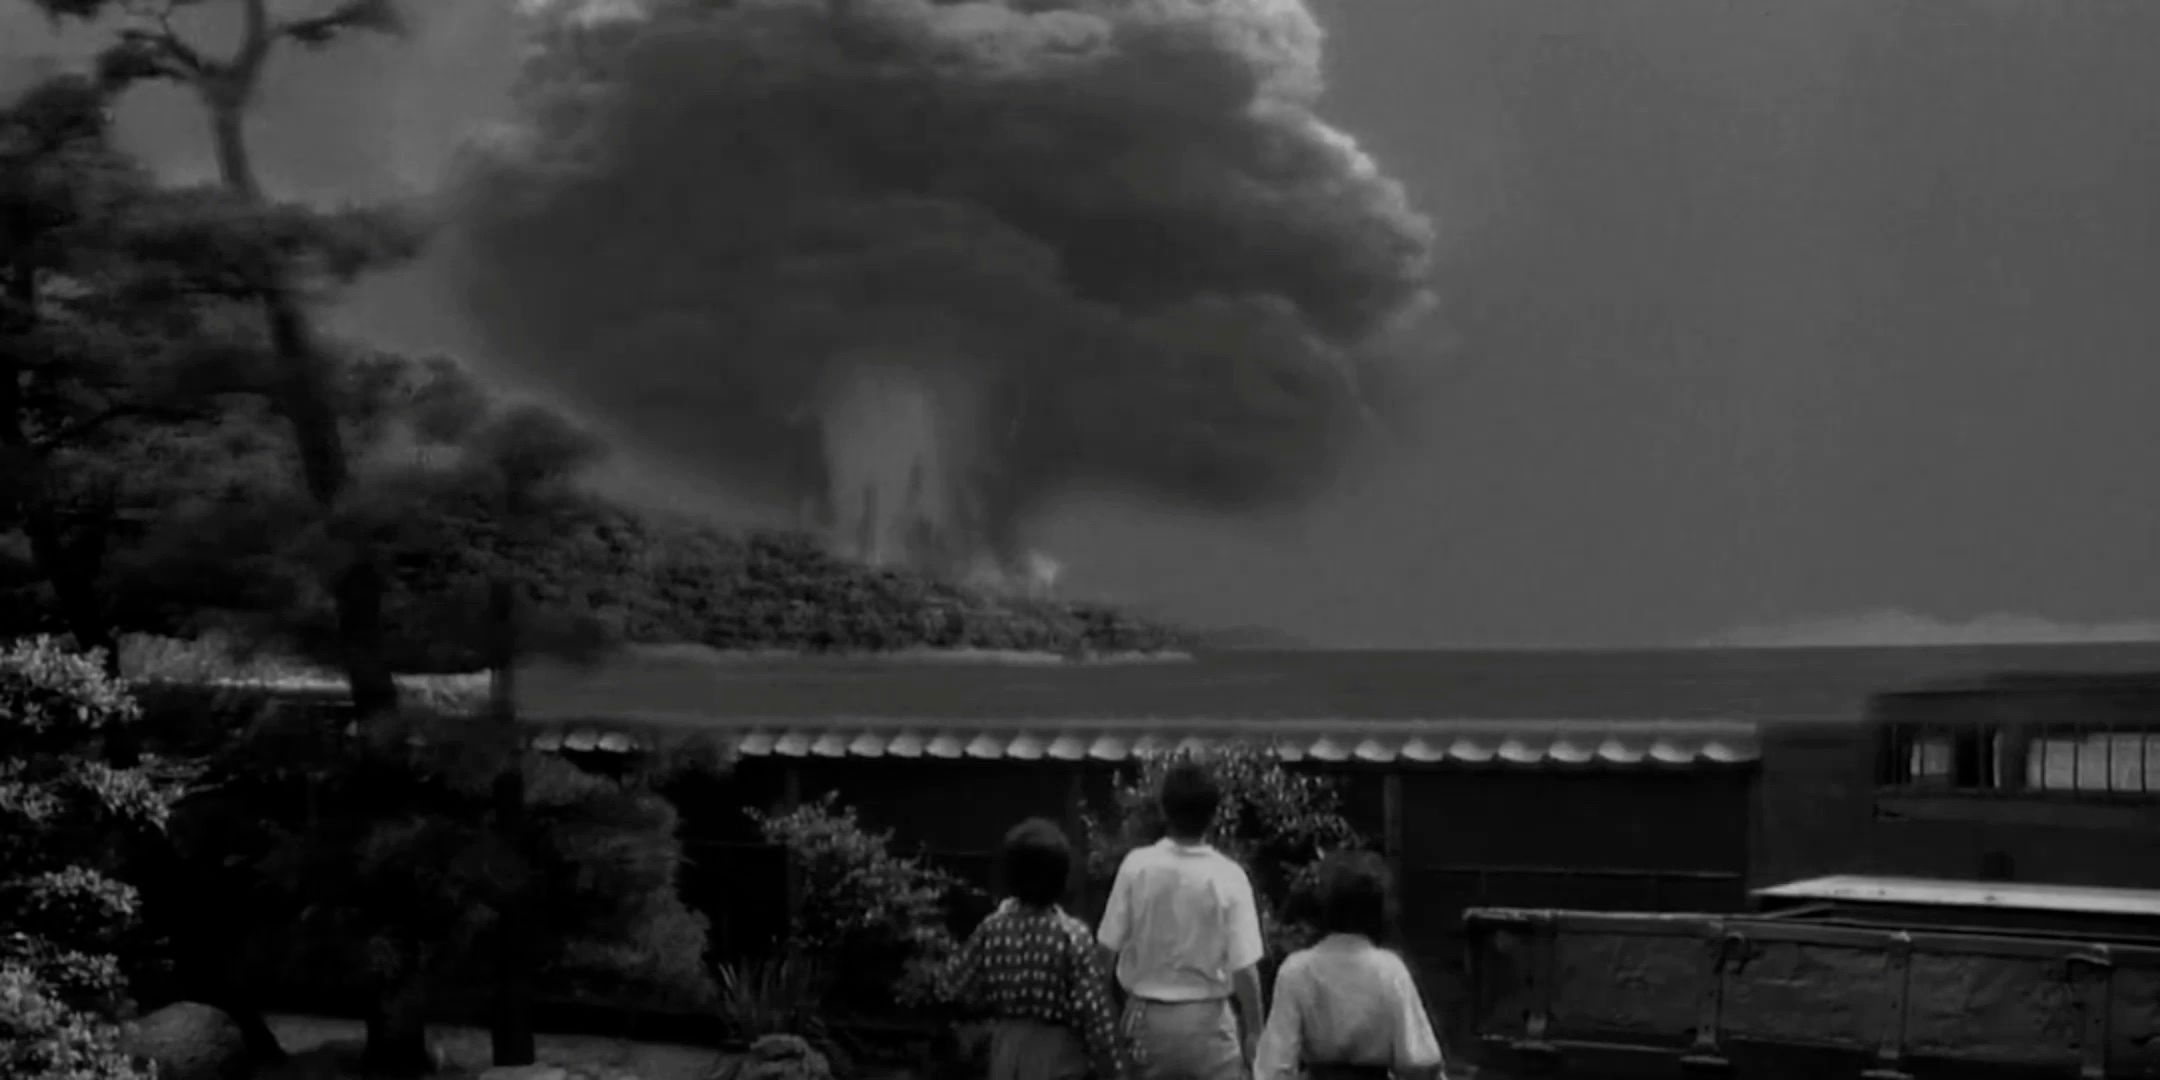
{"x":1181,"y":919}
{"x":1344,"y":1001}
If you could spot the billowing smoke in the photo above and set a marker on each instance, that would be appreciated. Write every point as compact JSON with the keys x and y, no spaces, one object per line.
{"x":919,"y":267}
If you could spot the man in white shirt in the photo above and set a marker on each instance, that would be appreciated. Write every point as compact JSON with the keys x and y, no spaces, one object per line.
{"x":1184,"y":930}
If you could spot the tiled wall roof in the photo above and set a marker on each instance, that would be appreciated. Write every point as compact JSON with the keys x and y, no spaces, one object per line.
{"x":1494,"y":742}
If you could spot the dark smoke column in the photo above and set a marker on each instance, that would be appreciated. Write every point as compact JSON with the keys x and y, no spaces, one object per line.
{"x":920,"y":267}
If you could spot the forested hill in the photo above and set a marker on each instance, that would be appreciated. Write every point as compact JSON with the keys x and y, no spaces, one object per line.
{"x":650,"y":579}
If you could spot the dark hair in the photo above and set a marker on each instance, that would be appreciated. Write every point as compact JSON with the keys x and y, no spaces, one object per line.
{"x":1353,"y":888}
{"x":1038,"y":862}
{"x":1190,"y":799}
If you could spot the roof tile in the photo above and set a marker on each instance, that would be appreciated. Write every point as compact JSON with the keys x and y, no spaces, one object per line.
{"x":1516,"y":743}
{"x":1069,"y":748}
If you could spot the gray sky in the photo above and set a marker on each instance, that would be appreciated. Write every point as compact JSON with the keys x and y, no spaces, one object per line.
{"x":1763,"y":314}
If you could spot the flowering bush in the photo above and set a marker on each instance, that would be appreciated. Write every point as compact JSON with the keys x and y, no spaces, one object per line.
{"x":1276,"y":823}
{"x":41,"y":1038}
{"x":66,"y":805}
{"x":877,"y":920}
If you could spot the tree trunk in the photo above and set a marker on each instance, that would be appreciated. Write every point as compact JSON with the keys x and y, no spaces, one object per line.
{"x":512,"y":1032}
{"x":397,"y":1036}
{"x":228,"y":129}
{"x":262,"y":1042}
{"x":306,"y":398}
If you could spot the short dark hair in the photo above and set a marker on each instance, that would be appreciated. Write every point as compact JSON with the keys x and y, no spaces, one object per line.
{"x":1353,"y":889}
{"x":1190,"y":798}
{"x":1038,"y":862}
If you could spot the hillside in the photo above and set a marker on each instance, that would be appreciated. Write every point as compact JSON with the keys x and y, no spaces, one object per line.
{"x":783,"y":591}
{"x":640,"y":578}
{"x":606,"y":575}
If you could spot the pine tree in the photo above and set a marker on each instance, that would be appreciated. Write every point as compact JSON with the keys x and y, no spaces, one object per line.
{"x":150,"y":46}
{"x":131,"y":372}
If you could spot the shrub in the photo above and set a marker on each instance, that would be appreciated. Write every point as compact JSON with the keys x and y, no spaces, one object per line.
{"x":68,"y":807}
{"x":776,"y":995}
{"x":1276,"y":823}
{"x":880,"y":922}
{"x":374,"y":862}
{"x":42,"y":1038}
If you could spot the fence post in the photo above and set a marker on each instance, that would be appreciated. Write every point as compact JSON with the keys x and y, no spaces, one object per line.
{"x":790,"y":800}
{"x":1890,"y":1049}
{"x":1391,"y":825}
{"x":1076,"y":829}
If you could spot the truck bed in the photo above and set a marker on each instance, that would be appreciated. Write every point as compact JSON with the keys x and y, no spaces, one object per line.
{"x":1807,"y":992}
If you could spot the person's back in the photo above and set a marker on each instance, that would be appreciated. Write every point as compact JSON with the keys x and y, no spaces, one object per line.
{"x":1030,"y":970}
{"x":1180,"y":901}
{"x":1347,"y":1009}
{"x":1183,"y":926}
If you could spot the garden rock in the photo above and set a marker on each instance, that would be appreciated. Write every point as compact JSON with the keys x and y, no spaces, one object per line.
{"x":777,"y":1057}
{"x":190,"y":1041}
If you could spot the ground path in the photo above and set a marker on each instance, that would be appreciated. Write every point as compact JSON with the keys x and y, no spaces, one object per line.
{"x":466,"y":1051}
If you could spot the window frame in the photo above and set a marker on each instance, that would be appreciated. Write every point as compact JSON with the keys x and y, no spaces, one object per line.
{"x":1919,"y":759}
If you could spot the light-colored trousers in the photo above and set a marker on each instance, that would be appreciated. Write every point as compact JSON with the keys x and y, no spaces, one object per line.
{"x":1029,"y":1050}
{"x":1187,"y":1040}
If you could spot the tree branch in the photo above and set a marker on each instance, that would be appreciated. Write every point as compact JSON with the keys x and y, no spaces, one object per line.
{"x":256,"y":37}
{"x":157,"y":50}
{"x":178,"y":45}
{"x":380,"y":16}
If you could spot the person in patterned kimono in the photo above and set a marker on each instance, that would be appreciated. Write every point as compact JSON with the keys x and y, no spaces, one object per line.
{"x":1031,"y":971}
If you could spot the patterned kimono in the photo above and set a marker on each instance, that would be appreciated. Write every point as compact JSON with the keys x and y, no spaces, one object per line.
{"x":1033,"y":974}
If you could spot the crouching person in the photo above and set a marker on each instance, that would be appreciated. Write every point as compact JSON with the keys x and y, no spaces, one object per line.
{"x":1030,"y":971}
{"x":1346,"y":1009}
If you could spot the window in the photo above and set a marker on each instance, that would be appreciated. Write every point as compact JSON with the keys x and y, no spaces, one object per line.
{"x":2119,"y":762}
{"x":1939,"y":758}
{"x":2072,"y":759}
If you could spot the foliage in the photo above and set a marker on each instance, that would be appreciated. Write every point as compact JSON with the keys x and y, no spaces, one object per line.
{"x":878,"y":920}
{"x":376,"y":855}
{"x":96,"y":362}
{"x":271,"y":276}
{"x":139,"y":375}
{"x":1276,"y":823}
{"x":68,"y":807}
{"x":601,"y":573}
{"x":772,"y":995}
{"x":41,"y":1038}
{"x":467,"y":493}
{"x":670,"y":580}
{"x":455,"y":490}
